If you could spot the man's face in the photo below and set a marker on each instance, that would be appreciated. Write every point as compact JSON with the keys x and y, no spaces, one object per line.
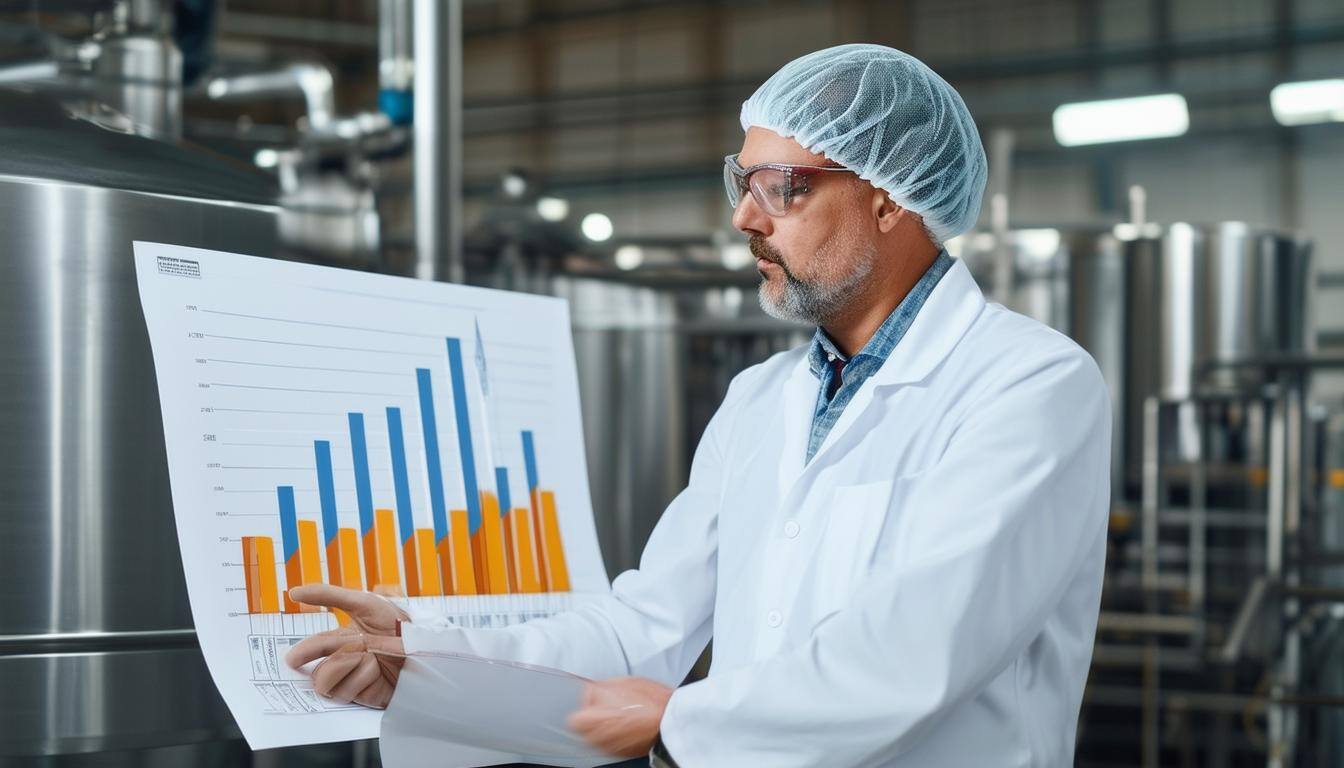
{"x":816,"y":258}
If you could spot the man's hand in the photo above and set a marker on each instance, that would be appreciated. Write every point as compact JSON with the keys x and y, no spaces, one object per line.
{"x":621,"y":716}
{"x":352,"y":671}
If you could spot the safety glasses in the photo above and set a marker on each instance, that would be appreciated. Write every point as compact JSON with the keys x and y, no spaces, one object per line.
{"x":772,"y":185}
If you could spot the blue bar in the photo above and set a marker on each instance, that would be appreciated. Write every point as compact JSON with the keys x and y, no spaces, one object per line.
{"x":289,"y":521}
{"x":430,"y":428}
{"x":530,"y":459}
{"x":326,"y":490}
{"x":464,"y":435}
{"x":359,"y":448}
{"x":399,"y":480}
{"x":502,"y":480}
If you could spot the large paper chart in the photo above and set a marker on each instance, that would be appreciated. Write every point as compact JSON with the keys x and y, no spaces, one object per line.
{"x":326,"y":425}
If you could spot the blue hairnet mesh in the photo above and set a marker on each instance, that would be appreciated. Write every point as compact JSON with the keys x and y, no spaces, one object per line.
{"x":889,"y":118}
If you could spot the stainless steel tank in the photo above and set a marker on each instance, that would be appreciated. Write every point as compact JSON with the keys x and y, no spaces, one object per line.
{"x":1197,"y":294}
{"x":1154,"y":304}
{"x":96,"y":647}
{"x":654,"y":364}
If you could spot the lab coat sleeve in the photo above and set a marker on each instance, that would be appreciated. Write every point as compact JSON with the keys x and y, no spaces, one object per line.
{"x":990,"y":538}
{"x":656,"y":620}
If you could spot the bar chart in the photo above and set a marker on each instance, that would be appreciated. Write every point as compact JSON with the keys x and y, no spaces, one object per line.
{"x":417,"y":440}
{"x":490,"y":547}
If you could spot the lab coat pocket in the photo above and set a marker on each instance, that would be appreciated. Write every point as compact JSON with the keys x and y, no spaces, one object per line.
{"x":854,"y":524}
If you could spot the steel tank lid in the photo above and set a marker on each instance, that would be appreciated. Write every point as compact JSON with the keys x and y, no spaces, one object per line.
{"x":42,"y":140}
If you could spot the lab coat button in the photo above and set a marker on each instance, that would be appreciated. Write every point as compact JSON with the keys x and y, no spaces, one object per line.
{"x":791,"y":529}
{"x":774,"y":618}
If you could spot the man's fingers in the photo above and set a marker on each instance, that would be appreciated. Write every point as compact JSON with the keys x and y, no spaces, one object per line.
{"x":356,"y":680}
{"x":316,"y":646}
{"x":335,"y":668}
{"x":377,"y":695}
{"x":348,"y":600}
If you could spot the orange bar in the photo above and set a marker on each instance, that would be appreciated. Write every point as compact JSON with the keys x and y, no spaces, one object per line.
{"x":251,"y":574}
{"x":371,"y":557}
{"x":459,"y":542}
{"x":335,"y":574}
{"x":294,"y":578}
{"x":430,"y":583}
{"x":525,"y":552}
{"x":310,"y":562}
{"x":488,"y":549}
{"x":349,"y":542}
{"x":558,"y":573}
{"x":511,"y":552}
{"x":384,"y":526}
{"x":443,"y":552}
{"x":309,"y":557}
{"x":412,"y":569}
{"x":265,"y":545}
{"x":543,"y":572}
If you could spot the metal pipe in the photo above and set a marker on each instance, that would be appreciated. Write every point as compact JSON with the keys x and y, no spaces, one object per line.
{"x":1197,"y":531}
{"x":1001,"y":141}
{"x":396,"y":66}
{"x":29,"y":71}
{"x":311,"y":80}
{"x":1151,"y":494}
{"x":438,"y":140}
{"x":1150,"y":733}
{"x":1241,"y":625}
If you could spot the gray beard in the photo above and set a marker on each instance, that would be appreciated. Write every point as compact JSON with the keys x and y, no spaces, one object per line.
{"x":817,"y":301}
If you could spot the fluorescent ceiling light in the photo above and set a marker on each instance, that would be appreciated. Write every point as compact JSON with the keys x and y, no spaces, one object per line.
{"x":553,"y":208}
{"x":596,"y":227}
{"x":629,"y":257}
{"x":1309,"y":101}
{"x":1142,"y":117}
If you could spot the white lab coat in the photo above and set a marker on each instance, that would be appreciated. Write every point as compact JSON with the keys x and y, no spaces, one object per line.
{"x":923,"y":592}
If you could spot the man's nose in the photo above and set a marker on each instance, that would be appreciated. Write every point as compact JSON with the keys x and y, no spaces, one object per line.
{"x":749,"y":219}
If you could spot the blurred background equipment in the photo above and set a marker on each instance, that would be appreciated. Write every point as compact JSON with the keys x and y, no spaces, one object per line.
{"x":1165,"y":187}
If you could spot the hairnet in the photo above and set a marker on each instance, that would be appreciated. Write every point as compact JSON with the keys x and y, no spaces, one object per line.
{"x":889,"y":118}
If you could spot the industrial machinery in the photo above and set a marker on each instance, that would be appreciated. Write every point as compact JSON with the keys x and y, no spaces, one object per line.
{"x":1223,"y":483}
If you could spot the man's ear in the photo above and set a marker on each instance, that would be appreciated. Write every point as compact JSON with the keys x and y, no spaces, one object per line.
{"x":886,"y":212}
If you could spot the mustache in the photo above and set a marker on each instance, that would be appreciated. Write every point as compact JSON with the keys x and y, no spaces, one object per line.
{"x":762,"y":250}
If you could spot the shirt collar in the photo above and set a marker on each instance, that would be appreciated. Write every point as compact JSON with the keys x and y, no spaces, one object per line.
{"x":879,"y":346}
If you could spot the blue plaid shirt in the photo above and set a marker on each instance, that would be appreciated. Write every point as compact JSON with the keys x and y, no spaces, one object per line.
{"x":823,"y":354}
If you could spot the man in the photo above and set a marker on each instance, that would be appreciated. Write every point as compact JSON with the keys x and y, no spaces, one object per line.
{"x":895,"y":535}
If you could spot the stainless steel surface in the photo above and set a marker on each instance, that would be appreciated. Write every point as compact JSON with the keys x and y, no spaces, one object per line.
{"x":86,"y":524}
{"x":137,"y":70}
{"x":1096,"y":320}
{"x":631,"y":362}
{"x":438,"y":140}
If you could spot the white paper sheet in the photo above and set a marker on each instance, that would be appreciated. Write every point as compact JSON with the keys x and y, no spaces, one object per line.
{"x":264,"y":369}
{"x":459,"y":711}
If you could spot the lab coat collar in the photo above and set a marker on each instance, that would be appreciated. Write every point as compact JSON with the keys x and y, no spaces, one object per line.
{"x":945,"y":317}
